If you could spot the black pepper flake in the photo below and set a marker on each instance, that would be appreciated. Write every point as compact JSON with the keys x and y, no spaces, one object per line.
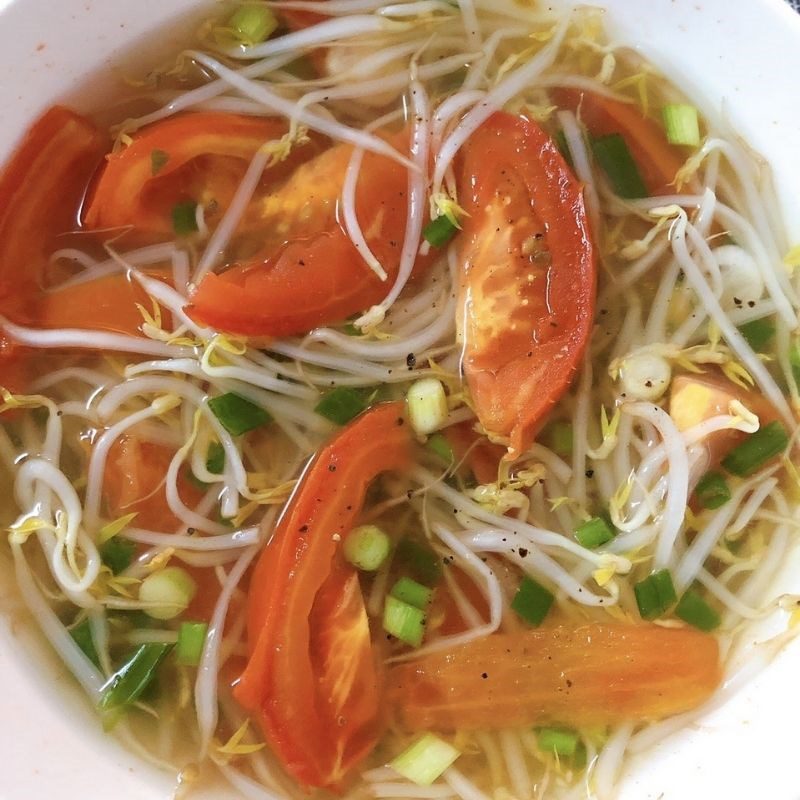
{"x":411,"y":361}
{"x":191,"y":531}
{"x":331,"y":467}
{"x":400,"y":421}
{"x":484,"y":675}
{"x":589,"y":473}
{"x":523,"y":551}
{"x":303,"y":528}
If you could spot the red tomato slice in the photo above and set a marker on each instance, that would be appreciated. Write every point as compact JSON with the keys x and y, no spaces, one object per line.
{"x":312,"y":679}
{"x":529,"y":279}
{"x":657,"y":159}
{"x":196,"y":157}
{"x":309,"y":272}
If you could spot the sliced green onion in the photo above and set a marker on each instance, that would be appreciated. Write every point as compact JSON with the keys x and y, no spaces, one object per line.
{"x":441,"y":448}
{"x":191,"y":640}
{"x":237,"y":414}
{"x":367,"y":547}
{"x":253,"y":23}
{"x":413,"y":593}
{"x":756,"y":450}
{"x":616,"y":161}
{"x":758,"y":333}
{"x":439,"y":231}
{"x":169,"y":590}
{"x":158,"y":160}
{"x":563,"y":147}
{"x":117,"y":554}
{"x":655,"y":594}
{"x":427,"y":405}
{"x":794,"y":361}
{"x":558,"y":437}
{"x":425,"y":760}
{"x":128,"y":683}
{"x":82,"y":636}
{"x":215,"y":458}
{"x":712,"y":490}
{"x":184,"y":218}
{"x":594,"y":532}
{"x":693,"y":609}
{"x":419,"y":560}
{"x":404,"y":621}
{"x":342,"y":404}
{"x":562,"y":742}
{"x":532,"y":601}
{"x":681,"y":124}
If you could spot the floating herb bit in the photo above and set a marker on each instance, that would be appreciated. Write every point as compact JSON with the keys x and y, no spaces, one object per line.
{"x":655,"y":594}
{"x":616,"y":161}
{"x":82,"y":636}
{"x":758,"y":333}
{"x":184,"y":219}
{"x":191,"y":640}
{"x":341,"y":405}
{"x":756,"y":450}
{"x":413,"y":593}
{"x":439,"y":231}
{"x":253,"y":23}
{"x":128,"y":683}
{"x":158,"y":160}
{"x":419,"y":560}
{"x":712,"y":490}
{"x":367,"y":547}
{"x":441,"y":448}
{"x":404,"y":621}
{"x":532,"y":601}
{"x":117,"y":554}
{"x":425,"y":760}
{"x":237,"y":414}
{"x":562,"y":742}
{"x":681,"y":124}
{"x":693,"y":609}
{"x":215,"y":458}
{"x":594,"y":532}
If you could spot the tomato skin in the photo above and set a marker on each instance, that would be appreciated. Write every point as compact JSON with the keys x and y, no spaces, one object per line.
{"x":312,"y":679}
{"x":207,"y":154}
{"x":528,"y":281}
{"x":308,"y":255}
{"x":593,"y":674}
{"x":657,"y":159}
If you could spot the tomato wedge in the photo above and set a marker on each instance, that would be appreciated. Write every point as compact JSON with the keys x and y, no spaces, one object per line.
{"x":596,"y":674}
{"x":309,"y":272}
{"x":657,"y":159}
{"x":199,"y":157}
{"x":528,"y":282}
{"x":312,"y":679}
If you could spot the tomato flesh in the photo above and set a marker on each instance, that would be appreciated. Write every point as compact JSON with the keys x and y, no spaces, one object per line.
{"x":528,"y":281}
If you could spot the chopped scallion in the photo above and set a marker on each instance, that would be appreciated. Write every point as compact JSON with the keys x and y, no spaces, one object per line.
{"x":413,"y":593}
{"x":342,"y":404}
{"x":367,"y":547}
{"x":558,"y":437}
{"x":427,"y":405}
{"x":167,"y":592}
{"x":128,"y":683}
{"x":82,"y":636}
{"x":158,"y":160}
{"x":237,"y":414}
{"x":758,"y":333}
{"x":253,"y":23}
{"x":562,"y":742}
{"x":215,"y":458}
{"x":655,"y":594}
{"x":425,"y":760}
{"x":532,"y":601}
{"x":712,"y":490}
{"x":756,"y":450}
{"x":616,"y":161}
{"x":681,"y":124}
{"x":191,"y":640}
{"x":420,"y":561}
{"x":404,"y":621}
{"x":441,"y":448}
{"x":439,"y":231}
{"x":693,"y":609}
{"x":184,"y":218}
{"x":117,"y":554}
{"x":794,"y":361}
{"x":594,"y":532}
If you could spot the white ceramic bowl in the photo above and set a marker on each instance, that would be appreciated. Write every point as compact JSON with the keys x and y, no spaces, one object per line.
{"x":736,"y":57}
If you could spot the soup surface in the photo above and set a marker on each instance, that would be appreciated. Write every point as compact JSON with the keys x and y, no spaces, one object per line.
{"x":398,"y":401}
